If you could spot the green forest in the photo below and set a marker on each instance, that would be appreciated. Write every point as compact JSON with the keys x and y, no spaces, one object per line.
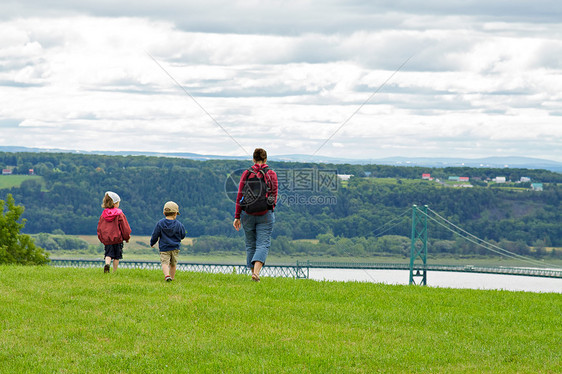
{"x":64,"y":194}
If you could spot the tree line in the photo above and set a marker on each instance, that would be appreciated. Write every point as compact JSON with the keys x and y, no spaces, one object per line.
{"x":374,"y":202}
{"x":325,"y":245}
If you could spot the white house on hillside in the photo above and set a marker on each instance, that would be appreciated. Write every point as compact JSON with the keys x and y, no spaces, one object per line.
{"x":536,"y":186}
{"x":345,"y":177}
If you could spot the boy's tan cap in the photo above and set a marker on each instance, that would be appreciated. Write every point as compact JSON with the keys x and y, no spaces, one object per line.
{"x":171,"y":207}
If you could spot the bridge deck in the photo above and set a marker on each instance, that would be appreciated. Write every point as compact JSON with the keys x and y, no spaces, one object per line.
{"x":302,"y":268}
{"x":531,"y":272}
{"x":290,"y":271}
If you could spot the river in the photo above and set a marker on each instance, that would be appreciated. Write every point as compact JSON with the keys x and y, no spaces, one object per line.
{"x":444,"y":279}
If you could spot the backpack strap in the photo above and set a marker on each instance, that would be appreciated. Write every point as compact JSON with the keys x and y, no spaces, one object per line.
{"x":263,"y":172}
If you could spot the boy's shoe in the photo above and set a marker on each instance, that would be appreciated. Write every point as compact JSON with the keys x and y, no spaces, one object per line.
{"x":168,"y":278}
{"x":106,"y":268}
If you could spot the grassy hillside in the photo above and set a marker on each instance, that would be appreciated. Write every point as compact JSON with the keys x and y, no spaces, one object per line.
{"x":81,"y":320}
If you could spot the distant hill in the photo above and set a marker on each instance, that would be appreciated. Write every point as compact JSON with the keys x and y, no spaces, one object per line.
{"x":191,"y":156}
{"x":487,"y":162}
{"x":68,"y":189}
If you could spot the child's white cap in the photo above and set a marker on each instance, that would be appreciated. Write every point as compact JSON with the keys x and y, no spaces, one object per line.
{"x":113,"y":196}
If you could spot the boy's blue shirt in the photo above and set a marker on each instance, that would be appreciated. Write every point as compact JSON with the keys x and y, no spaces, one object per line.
{"x":169,"y":233}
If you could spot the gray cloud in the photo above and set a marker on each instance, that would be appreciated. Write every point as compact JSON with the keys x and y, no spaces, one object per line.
{"x":289,"y":17}
{"x":6,"y":123}
{"x":11,"y":83}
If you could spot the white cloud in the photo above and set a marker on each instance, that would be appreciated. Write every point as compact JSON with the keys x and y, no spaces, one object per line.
{"x":481,"y":82}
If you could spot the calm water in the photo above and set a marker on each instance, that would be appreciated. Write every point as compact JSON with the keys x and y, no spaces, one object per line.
{"x":444,"y":279}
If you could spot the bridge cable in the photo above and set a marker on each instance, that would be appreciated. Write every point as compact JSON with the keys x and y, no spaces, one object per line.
{"x":396,"y":224}
{"x":500,"y":251}
{"x":490,"y":244}
{"x":482,"y":245}
{"x":380,"y":234}
{"x":389,"y":222}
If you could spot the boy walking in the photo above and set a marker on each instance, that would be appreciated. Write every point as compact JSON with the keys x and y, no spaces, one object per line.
{"x":169,"y":232}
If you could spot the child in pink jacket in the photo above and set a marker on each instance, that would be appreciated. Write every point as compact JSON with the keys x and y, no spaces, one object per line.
{"x":113,"y":229}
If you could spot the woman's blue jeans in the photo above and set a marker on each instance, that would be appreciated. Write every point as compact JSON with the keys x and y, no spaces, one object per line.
{"x":257,"y":230}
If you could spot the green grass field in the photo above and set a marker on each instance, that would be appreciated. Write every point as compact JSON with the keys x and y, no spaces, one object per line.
{"x":9,"y":181}
{"x":66,"y":320}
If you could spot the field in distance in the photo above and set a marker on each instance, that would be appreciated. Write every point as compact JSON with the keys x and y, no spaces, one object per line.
{"x":136,"y":241}
{"x":10,"y":181}
{"x":138,"y":249}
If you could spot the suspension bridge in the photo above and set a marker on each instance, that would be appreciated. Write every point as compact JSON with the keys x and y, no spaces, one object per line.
{"x":417,"y":266}
{"x":301,"y":269}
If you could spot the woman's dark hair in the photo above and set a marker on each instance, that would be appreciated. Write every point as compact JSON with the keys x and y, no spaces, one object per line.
{"x":260,"y":154}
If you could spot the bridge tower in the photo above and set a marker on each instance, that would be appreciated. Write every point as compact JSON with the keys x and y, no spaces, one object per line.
{"x":418,"y":248}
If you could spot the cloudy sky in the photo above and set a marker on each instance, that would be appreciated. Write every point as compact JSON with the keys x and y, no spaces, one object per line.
{"x":484,"y":77}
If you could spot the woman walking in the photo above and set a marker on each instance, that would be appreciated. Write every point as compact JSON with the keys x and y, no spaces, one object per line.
{"x":255,"y":202}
